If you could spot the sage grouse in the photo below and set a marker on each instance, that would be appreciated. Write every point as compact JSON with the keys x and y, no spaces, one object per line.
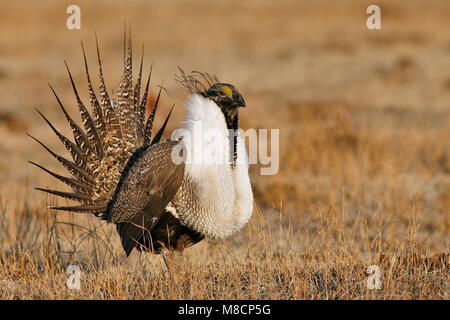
{"x":121,"y":175}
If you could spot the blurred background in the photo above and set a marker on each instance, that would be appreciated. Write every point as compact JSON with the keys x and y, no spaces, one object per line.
{"x":364,"y":115}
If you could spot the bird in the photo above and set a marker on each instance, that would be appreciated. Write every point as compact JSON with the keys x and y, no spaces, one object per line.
{"x":123,"y":175}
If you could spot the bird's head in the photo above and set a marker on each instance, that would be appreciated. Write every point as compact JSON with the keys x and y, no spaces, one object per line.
{"x":225,"y":96}
{"x":228,"y":99}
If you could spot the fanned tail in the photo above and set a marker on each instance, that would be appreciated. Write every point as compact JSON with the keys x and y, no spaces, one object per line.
{"x":111,"y":133}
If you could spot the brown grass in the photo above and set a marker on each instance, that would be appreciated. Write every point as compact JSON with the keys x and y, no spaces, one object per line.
{"x":364,"y":123}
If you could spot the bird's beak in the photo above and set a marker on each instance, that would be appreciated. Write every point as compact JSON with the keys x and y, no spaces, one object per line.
{"x":239,"y":102}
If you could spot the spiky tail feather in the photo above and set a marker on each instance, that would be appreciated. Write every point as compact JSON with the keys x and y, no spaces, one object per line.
{"x":110,"y":136}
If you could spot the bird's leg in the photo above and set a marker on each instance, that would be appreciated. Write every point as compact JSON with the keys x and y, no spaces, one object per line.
{"x":143,"y":262}
{"x":164,"y":254}
{"x":173,"y":261}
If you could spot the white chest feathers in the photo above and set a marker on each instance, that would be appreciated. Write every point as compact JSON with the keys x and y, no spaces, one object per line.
{"x":221,"y":195}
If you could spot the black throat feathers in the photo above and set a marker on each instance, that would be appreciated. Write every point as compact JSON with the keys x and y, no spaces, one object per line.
{"x":232,"y":121}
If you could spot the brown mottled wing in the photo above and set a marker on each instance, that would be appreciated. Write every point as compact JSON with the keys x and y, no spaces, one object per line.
{"x":149,"y":182}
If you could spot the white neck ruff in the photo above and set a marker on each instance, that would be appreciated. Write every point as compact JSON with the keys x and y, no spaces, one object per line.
{"x":223,"y":194}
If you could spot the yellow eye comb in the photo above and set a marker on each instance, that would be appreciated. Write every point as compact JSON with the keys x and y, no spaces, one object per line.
{"x":227,"y":90}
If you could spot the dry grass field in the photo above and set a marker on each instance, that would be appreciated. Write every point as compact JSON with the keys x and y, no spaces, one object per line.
{"x":364,"y":119}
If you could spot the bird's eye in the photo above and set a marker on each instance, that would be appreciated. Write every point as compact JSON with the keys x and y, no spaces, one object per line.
{"x":221,"y":93}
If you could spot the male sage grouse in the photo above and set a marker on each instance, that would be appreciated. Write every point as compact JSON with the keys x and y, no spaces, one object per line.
{"x":121,"y":175}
